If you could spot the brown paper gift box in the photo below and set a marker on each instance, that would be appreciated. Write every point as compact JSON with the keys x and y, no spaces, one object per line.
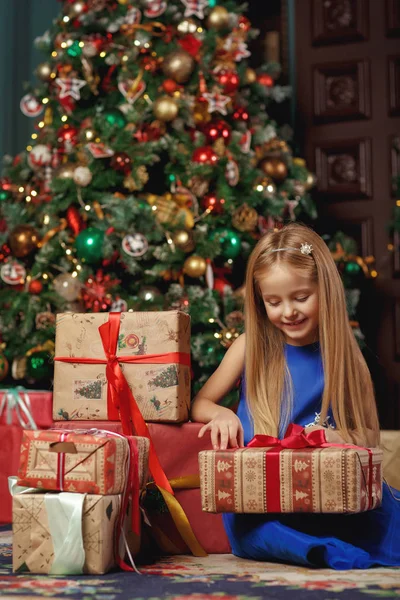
{"x":32,"y":543}
{"x":262,"y":480}
{"x":390,"y":443}
{"x":162,"y":391}
{"x":92,"y":461}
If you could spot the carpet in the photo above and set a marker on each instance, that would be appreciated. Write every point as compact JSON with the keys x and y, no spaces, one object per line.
{"x":217,"y":577}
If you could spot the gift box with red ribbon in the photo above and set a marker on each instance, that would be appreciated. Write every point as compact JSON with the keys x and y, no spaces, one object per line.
{"x":300,"y":473}
{"x":87,"y":461}
{"x":107,"y":364}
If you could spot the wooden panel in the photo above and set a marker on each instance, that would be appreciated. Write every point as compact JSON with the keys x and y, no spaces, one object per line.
{"x":339,"y":21}
{"x":393,"y":18}
{"x":342,"y":91}
{"x":394,"y":85}
{"x":344,"y":169}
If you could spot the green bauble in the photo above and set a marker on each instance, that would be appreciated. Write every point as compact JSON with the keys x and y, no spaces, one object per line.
{"x":352,"y":268}
{"x":229,"y":240}
{"x":5,"y":195}
{"x":115,"y":118}
{"x":39,"y":366}
{"x":74,"y":49}
{"x":89,"y":244}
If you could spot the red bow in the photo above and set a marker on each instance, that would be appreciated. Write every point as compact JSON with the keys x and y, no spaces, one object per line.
{"x":295,"y":437}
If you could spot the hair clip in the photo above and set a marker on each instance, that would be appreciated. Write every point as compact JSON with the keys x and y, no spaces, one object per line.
{"x":306,"y":248}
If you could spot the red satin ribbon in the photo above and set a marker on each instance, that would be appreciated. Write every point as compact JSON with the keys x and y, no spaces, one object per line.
{"x":121,"y":403}
{"x":295,"y":438}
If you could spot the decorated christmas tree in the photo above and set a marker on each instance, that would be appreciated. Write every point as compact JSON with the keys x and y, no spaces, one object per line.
{"x":154,"y":168}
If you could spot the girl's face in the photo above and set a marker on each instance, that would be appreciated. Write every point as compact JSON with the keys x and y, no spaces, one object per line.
{"x":291,"y":302}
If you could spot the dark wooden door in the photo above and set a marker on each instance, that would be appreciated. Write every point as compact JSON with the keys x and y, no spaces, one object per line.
{"x":348,"y":120}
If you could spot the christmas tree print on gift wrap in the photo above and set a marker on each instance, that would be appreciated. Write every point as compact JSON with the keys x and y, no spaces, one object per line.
{"x":89,"y":389}
{"x":163,"y":378}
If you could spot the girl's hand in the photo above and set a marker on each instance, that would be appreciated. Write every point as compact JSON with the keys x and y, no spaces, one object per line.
{"x":226,"y":431}
{"x":331,"y":435}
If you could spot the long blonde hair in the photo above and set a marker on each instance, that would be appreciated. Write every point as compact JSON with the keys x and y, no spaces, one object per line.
{"x":348,"y":386}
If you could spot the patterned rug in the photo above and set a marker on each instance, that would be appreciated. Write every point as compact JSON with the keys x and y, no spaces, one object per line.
{"x":217,"y":577}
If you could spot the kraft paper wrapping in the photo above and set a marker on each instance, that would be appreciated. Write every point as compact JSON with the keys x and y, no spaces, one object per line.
{"x":92,"y":463}
{"x":162,"y":391}
{"x":323,"y":480}
{"x":390,"y":443}
{"x":32,"y":543}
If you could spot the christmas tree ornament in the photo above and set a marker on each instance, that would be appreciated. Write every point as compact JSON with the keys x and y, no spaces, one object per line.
{"x":205,"y":155}
{"x":170,"y":86}
{"x":67,"y":137}
{"x":183,"y":240}
{"x":135,"y":244}
{"x":265,"y":186}
{"x":87,"y":135}
{"x":213,"y":204}
{"x":229,"y":240}
{"x":178,"y":65}
{"x":31,"y":106}
{"x":199,"y":186}
{"x":13,"y":273}
{"x":228,"y":336}
{"x":74,"y":50}
{"x":5,"y":252}
{"x":352,"y":268}
{"x":70,"y":87}
{"x":311,"y":181}
{"x":153,"y":8}
{"x":119,"y":305}
{"x":235,"y":319}
{"x":76,"y":9}
{"x":218,"y":18}
{"x":217,"y":129}
{"x":227,"y":79}
{"x":40,"y":156}
{"x":96,"y":292}
{"x":45,"y":319}
{"x":245,"y":218}
{"x":67,"y":287}
{"x":74,"y":219}
{"x":241,"y":114}
{"x":274,"y":168}
{"x":187,"y":26}
{"x":18,"y":368}
{"x":217,"y":102}
{"x":82,"y":176}
{"x":23,"y":240}
{"x":200,"y":111}
{"x":35,"y":287}
{"x":148,"y":293}
{"x":66,"y":171}
{"x":195,"y":8}
{"x":194,"y":266}
{"x":115,"y":118}
{"x":5,"y":195}
{"x":165,"y":108}
{"x":121,"y":162}
{"x":99,"y":150}
{"x":89,"y":245}
{"x":39,"y":366}
{"x":232,"y":172}
{"x":250,"y":76}
{"x":44,"y":71}
{"x":3,"y":366}
{"x":132,"y":89}
{"x":265,"y":80}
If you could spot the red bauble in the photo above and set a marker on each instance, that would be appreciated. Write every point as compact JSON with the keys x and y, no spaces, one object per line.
{"x":74,"y":220}
{"x":244,"y":23}
{"x":213,"y":203}
{"x":221,"y":285}
{"x":265,"y":79}
{"x":170,"y":86}
{"x":216,"y":129}
{"x":5,"y":183}
{"x":241,"y":114}
{"x":205,"y":155}
{"x":121,"y":162}
{"x":228,"y":80}
{"x":4,"y":252}
{"x":35,"y":287}
{"x":67,"y":137}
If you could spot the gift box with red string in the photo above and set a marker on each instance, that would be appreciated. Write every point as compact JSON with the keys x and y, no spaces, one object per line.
{"x":106,"y":363}
{"x":19,"y":409}
{"x":301,"y":473}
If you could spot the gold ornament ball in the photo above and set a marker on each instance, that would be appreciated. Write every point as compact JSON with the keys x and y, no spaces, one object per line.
{"x":218,"y":18}
{"x":178,"y":66}
{"x":274,"y":167}
{"x":310,"y":181}
{"x":194,"y":266}
{"x":66,"y":171}
{"x":44,"y":71}
{"x":183,"y":240}
{"x":23,"y":240}
{"x":265,"y":186}
{"x":187,"y":26}
{"x":245,"y":218}
{"x":165,"y":108}
{"x":250,"y":76}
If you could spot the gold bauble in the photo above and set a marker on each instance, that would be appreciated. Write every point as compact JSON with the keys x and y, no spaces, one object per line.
{"x":194,"y":266}
{"x":44,"y":71}
{"x":23,"y":240}
{"x":245,"y":218}
{"x":310,"y":181}
{"x":66,"y":171}
{"x":274,"y":167}
{"x":250,"y":76}
{"x":183,"y":240}
{"x":201,"y":116}
{"x":178,"y":65}
{"x":265,"y":186}
{"x":218,"y":18}
{"x":187,"y":26}
{"x":165,"y":108}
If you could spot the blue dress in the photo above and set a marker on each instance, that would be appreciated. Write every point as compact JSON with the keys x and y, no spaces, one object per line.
{"x":320,"y":540}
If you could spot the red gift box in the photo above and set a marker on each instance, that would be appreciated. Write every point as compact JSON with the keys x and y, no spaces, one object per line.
{"x":13,"y":419}
{"x":177,"y":447}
